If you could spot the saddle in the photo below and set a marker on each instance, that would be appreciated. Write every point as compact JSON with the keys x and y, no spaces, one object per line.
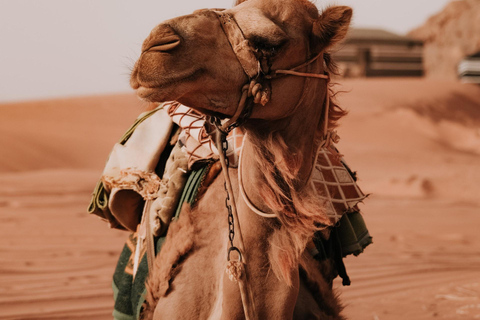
{"x":166,"y":157}
{"x":154,"y":158}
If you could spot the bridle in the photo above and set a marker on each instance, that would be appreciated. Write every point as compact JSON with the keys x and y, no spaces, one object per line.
{"x":253,"y":92}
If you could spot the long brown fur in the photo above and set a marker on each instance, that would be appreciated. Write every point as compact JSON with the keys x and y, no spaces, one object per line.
{"x":178,"y":244}
{"x":315,"y":280}
{"x":300,"y":211}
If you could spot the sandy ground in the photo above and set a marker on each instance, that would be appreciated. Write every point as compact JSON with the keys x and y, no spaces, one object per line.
{"x":414,"y":143}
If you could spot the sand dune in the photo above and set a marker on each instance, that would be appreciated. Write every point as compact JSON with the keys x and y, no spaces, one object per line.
{"x":413,"y":138}
{"x":416,"y":146}
{"x":63,"y":133}
{"x":56,"y":260}
{"x":414,"y":143}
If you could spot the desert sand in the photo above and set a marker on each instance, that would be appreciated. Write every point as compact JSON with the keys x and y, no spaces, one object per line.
{"x":415,"y":144}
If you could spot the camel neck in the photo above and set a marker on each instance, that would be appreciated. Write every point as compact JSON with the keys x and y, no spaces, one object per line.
{"x":292,"y":146}
{"x":292,"y":141}
{"x":280,"y":154}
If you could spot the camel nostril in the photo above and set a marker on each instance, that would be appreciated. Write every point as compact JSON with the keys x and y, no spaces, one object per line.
{"x":162,"y":38}
{"x":164,"y":44}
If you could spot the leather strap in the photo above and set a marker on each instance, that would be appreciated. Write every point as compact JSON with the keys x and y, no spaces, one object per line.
{"x":239,"y":44}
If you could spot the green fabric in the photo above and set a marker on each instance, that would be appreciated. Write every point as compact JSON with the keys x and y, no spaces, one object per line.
{"x":190,"y":191}
{"x":99,"y":201}
{"x":121,"y":316}
{"x":137,"y":122}
{"x":128,"y":293}
{"x":352,"y":233}
{"x":122,"y":281}
{"x":349,"y":236}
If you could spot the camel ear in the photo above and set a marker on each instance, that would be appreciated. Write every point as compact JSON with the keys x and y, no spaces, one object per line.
{"x":237,"y":2}
{"x":332,"y":26}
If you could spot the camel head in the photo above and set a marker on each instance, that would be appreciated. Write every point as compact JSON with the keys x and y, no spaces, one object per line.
{"x":190,"y":59}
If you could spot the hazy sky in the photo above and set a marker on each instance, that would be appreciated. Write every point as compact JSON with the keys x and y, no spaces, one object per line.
{"x":53,"y":48}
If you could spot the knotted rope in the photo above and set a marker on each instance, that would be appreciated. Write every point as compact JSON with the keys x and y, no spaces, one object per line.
{"x":250,"y":90}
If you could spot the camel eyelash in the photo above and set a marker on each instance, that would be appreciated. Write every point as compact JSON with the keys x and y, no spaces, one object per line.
{"x":262,"y":44}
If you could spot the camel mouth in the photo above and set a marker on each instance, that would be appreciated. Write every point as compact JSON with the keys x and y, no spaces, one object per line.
{"x":147,"y":94}
{"x":163,"y":88}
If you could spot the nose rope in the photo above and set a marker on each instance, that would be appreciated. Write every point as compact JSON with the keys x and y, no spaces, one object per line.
{"x":239,"y":44}
{"x":302,"y":74}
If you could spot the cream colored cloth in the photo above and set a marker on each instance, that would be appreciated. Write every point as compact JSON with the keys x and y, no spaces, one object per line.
{"x":172,"y":184}
{"x":129,"y":174}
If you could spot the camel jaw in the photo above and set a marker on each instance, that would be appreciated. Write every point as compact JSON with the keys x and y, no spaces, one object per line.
{"x":162,"y":88}
{"x":162,"y":94}
{"x":151,"y":94}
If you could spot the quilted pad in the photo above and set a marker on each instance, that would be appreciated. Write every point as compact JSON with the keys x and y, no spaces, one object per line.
{"x":335,"y":183}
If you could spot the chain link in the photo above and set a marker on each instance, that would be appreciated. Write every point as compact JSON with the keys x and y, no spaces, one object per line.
{"x":231,"y":220}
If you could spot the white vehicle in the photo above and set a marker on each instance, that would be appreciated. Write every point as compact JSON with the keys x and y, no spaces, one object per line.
{"x":469,"y":69}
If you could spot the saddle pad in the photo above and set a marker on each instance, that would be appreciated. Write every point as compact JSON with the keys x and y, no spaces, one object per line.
{"x":335,"y":183}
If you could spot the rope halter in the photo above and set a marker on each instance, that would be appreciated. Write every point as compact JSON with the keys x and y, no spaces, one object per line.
{"x":253,"y":92}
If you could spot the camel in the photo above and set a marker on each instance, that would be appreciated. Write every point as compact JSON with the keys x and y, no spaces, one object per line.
{"x":207,"y":61}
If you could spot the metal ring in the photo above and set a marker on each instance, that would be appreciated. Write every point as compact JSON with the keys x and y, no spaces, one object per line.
{"x":234,"y":249}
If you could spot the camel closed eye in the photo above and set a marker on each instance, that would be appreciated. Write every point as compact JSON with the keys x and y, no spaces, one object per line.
{"x":266,"y":46}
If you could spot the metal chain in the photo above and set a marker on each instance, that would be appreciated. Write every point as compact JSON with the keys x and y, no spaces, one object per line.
{"x":235,"y":268}
{"x":231,"y":220}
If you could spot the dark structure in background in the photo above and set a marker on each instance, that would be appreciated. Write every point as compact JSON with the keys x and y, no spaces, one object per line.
{"x":469,"y":69}
{"x":380,"y":53}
